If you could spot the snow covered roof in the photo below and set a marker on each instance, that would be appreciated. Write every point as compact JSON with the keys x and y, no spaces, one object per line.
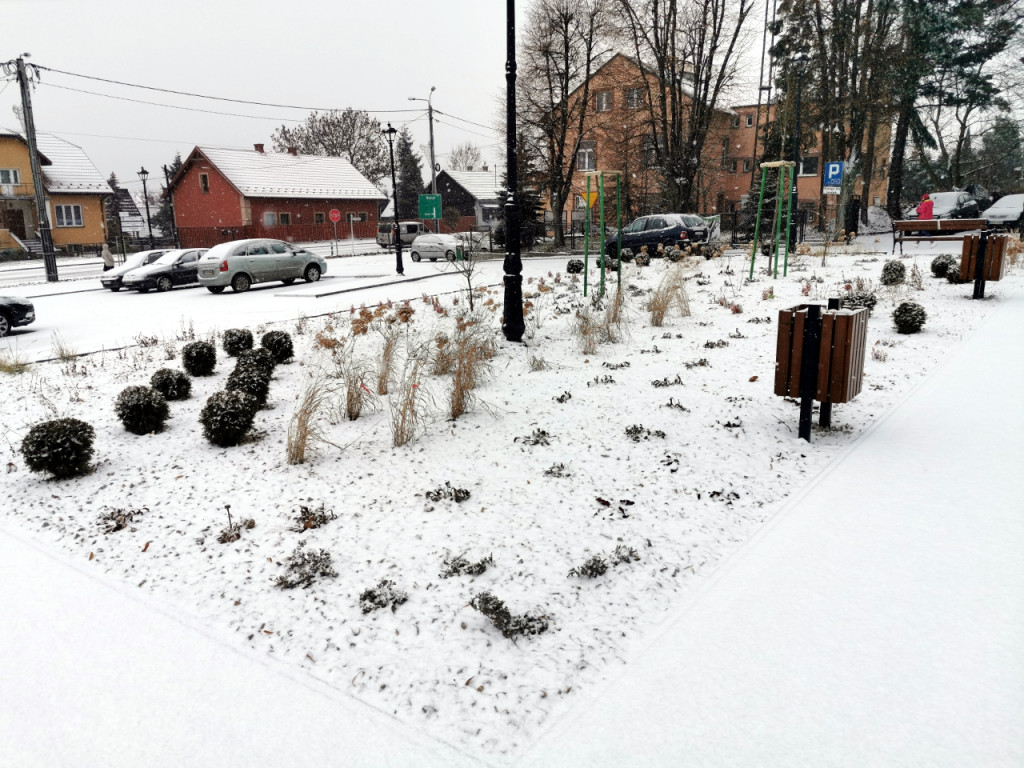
{"x":483,"y":185}
{"x":276,"y":174}
{"x":70,"y":169}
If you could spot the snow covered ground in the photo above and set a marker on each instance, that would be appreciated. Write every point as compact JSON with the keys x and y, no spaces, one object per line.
{"x":539,"y":504}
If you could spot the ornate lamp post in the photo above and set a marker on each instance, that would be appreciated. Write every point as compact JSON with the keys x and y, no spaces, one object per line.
{"x":513,"y":325}
{"x":390,"y":132}
{"x":143,"y":175}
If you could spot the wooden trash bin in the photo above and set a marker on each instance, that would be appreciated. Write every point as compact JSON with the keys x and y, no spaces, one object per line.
{"x":844,"y":335}
{"x":995,"y":258}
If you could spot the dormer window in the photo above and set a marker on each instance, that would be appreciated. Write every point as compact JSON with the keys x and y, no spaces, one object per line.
{"x":204,"y":182}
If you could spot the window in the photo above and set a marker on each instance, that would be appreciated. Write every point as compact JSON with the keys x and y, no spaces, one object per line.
{"x":732,"y":166}
{"x":269,"y":219}
{"x":656,"y":222}
{"x":68,"y":215}
{"x":350,"y":217}
{"x":747,"y":165}
{"x":634,"y":98}
{"x":750,"y":121}
{"x":258,"y":250}
{"x":585,"y":159}
{"x":876,"y":201}
{"x":725,"y":150}
{"x":204,"y":182}
{"x":9,"y":176}
{"x":319,"y":218}
{"x":278,"y":248}
{"x":604,"y":101}
{"x":650,"y":157}
{"x":579,"y":202}
{"x":809,"y":166}
{"x":285,"y":219}
{"x":736,"y":122}
{"x":188,"y":258}
{"x":636,"y":226}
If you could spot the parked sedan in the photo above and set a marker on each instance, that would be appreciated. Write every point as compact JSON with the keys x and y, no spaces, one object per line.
{"x":435,"y":247}
{"x":173,"y":269}
{"x":1007,"y":212}
{"x":666,"y":229}
{"x":112,"y":278}
{"x":241,"y":263}
{"x":950,"y":205}
{"x":15,"y":311}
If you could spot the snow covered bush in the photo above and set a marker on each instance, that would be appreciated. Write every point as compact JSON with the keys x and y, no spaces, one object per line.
{"x":305,"y":567}
{"x":593,"y":567}
{"x":860,"y":297}
{"x":574,"y":266}
{"x":384,"y":595}
{"x":500,"y":616}
{"x":227,"y":416}
{"x":942,"y":263}
{"x":236,"y":340}
{"x":909,"y":317}
{"x":459,"y":565}
{"x":172,"y":384}
{"x":260,"y":359}
{"x":279,"y":344}
{"x":252,"y":380}
{"x":62,"y":447}
{"x":643,"y":260}
{"x":142,"y":410}
{"x":199,"y":358}
{"x":953,"y":273}
{"x":893,"y":273}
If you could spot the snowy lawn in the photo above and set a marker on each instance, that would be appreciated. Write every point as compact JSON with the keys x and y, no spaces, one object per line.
{"x":660,"y":452}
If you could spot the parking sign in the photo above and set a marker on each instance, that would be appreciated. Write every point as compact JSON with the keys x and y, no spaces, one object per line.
{"x":834,"y":174}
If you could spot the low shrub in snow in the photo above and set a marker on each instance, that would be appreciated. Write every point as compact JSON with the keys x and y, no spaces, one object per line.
{"x":262,"y":359}
{"x":510,"y":626}
{"x":114,"y":520}
{"x":227,"y":417}
{"x":199,"y":358}
{"x":252,"y":380}
{"x":233,"y":531}
{"x":142,"y":410}
{"x":459,"y":565}
{"x":384,"y":595}
{"x":592,"y":568}
{"x":306,"y":566}
{"x":574,"y":266}
{"x":61,"y":447}
{"x":893,"y":273}
{"x":942,"y":263}
{"x":643,"y":260}
{"x":448,"y":492}
{"x":172,"y":384}
{"x":236,"y":340}
{"x":312,"y":517}
{"x":909,"y":317}
{"x":953,"y":273}
{"x":279,"y":344}
{"x":860,"y":297}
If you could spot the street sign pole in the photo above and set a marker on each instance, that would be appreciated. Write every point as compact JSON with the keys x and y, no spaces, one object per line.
{"x":334,"y":250}
{"x":352,"y":234}
{"x":335,"y":217}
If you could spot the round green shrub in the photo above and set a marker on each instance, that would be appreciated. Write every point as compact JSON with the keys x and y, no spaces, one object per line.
{"x":893,"y":273}
{"x":172,"y":384}
{"x":236,"y":340}
{"x":199,"y":358}
{"x":942,"y":263}
{"x":953,"y":274}
{"x":643,"y":260}
{"x":860,"y":298}
{"x":254,"y":381}
{"x":279,"y":344}
{"x":62,"y":447}
{"x":261,"y":358}
{"x":142,"y":410}
{"x":674,"y":254}
{"x":227,"y":417}
{"x":574,"y":266}
{"x":909,"y":317}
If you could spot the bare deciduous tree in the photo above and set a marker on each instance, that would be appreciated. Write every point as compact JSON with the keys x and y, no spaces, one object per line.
{"x":349,"y":133}
{"x":464,"y":157}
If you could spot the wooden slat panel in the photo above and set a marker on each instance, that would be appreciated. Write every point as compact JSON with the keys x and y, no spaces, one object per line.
{"x":799,"y":319}
{"x":783,"y":352}
{"x":859,"y":344}
{"x":841,"y":363}
{"x":967,"y":256}
{"x":825,"y":358}
{"x":996,"y":264}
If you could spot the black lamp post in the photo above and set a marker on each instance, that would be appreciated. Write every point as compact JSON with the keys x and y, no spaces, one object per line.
{"x":143,"y":175}
{"x":390,"y":132}
{"x":800,"y":62}
{"x":513,"y":324}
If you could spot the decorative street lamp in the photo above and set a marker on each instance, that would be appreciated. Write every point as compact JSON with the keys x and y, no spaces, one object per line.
{"x":433,"y":164}
{"x":513,"y":324}
{"x":143,"y":175}
{"x":800,"y":62}
{"x":390,"y":132}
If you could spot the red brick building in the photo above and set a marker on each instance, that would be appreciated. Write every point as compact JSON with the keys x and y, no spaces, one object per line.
{"x":228,"y":194}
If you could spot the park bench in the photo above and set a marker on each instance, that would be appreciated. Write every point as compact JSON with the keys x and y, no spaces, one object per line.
{"x":935,"y":228}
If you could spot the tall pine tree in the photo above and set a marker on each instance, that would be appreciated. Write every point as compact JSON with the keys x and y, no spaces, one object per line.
{"x":410,"y":176}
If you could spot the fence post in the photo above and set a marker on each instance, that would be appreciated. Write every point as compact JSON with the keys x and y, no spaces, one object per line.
{"x":825,"y":411}
{"x":809,"y":368}
{"x":979,"y":266}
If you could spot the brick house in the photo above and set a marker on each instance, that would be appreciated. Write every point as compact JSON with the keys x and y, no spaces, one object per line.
{"x":229,"y":194}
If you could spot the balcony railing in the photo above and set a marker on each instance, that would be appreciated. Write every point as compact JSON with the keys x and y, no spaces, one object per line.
{"x":16,"y":190}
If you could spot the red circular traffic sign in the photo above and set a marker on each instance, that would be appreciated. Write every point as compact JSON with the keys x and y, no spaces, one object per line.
{"x":335,"y":215}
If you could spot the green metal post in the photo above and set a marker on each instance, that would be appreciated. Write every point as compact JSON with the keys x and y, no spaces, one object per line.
{"x":618,"y":208}
{"x":586,"y":239}
{"x":600,"y":195}
{"x":789,"y":217}
{"x":778,"y":223}
{"x":757,"y":221}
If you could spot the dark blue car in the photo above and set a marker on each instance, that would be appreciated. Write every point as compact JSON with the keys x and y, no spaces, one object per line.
{"x":666,"y":229}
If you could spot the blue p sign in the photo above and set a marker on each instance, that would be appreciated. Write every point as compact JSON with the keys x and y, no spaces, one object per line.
{"x":833,"y":174}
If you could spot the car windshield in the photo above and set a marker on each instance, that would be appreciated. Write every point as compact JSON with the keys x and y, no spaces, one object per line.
{"x":136,"y":260}
{"x":944,"y":199}
{"x":693,"y":221}
{"x":168,"y":258}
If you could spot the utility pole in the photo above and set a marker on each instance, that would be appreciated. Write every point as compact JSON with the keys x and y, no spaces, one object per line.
{"x":513,"y":325}
{"x":390,"y":132}
{"x":170,"y":205}
{"x":45,"y":235}
{"x":433,"y":165}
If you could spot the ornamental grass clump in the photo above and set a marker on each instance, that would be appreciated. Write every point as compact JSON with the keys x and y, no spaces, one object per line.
{"x":279,"y":344}
{"x":942,"y":263}
{"x":199,"y":358}
{"x":172,"y":384}
{"x":909,"y":317}
{"x":62,"y":447}
{"x":227,"y":417}
{"x":893,"y":273}
{"x":142,"y":410}
{"x":252,"y":380}
{"x":236,"y":340}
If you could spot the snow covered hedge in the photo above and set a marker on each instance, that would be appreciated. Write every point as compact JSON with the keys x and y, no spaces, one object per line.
{"x":236,"y":340}
{"x":199,"y":358}
{"x":227,"y":417}
{"x":142,"y":410}
{"x":909,"y":317}
{"x":279,"y":344}
{"x":61,"y":447}
{"x":172,"y":384}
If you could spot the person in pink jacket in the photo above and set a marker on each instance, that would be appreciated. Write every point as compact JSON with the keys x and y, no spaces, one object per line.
{"x":924,"y":210}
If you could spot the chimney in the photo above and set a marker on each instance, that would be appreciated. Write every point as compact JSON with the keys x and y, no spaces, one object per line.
{"x":485,"y":167}
{"x":469,"y":167}
{"x":293,"y":151}
{"x":258,"y":148}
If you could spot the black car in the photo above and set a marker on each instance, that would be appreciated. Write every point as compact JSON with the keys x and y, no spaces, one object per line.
{"x":666,"y":229}
{"x":15,"y":312}
{"x":174,"y":268}
{"x":112,"y":278}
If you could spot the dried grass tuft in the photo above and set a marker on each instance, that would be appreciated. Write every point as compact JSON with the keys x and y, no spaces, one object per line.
{"x":389,"y":346}
{"x":585,"y":329}
{"x":13,"y":362}
{"x":61,"y":349}
{"x":407,"y":402}
{"x":306,"y":428}
{"x":671,"y":292}
{"x":473,"y":347}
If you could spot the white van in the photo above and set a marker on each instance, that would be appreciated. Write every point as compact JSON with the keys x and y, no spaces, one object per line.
{"x":408,"y":231}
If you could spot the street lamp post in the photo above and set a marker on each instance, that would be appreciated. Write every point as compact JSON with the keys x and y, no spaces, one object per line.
{"x":433,"y":165}
{"x":513,"y":324}
{"x":800,"y":62}
{"x":143,"y":175}
{"x":390,"y":132}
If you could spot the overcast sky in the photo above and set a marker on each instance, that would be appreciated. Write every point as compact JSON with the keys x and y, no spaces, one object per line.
{"x":317,"y":53}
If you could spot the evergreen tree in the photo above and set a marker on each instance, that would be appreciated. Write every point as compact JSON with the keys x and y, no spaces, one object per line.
{"x":531,"y":220}
{"x":410,"y":176}
{"x":113,"y":182}
{"x":163,"y":217}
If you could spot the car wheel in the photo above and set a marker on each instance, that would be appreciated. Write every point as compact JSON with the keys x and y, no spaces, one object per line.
{"x":215,"y":288}
{"x":164,"y":284}
{"x":240,"y":283}
{"x":312,"y":273}
{"x":450,"y":255}
{"x":415,"y":256}
{"x":5,"y":325}
{"x":288,"y":280}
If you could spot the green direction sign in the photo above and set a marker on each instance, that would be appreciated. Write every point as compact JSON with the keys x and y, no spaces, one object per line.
{"x":430,"y":207}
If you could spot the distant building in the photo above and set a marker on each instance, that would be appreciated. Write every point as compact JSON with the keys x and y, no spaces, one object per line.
{"x":227,"y":194}
{"x":473,"y":193}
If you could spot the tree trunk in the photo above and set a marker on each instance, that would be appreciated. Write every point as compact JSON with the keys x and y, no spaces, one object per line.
{"x":893,"y":205}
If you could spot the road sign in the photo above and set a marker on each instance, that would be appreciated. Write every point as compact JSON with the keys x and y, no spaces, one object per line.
{"x":831,"y":190}
{"x":335,"y":215}
{"x":590,"y":198}
{"x":430,"y":207}
{"x":833,"y":175}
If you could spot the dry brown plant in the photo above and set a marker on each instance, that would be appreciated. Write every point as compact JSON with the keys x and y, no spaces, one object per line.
{"x":611,"y":323}
{"x":537,"y":363}
{"x":671,"y":291}
{"x":389,"y":346}
{"x":473,"y":348}
{"x":442,"y":359}
{"x":585,"y":329}
{"x":408,"y":401}
{"x":305,"y":431}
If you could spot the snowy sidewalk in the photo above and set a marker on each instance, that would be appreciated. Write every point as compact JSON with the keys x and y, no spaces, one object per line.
{"x":878,"y":620}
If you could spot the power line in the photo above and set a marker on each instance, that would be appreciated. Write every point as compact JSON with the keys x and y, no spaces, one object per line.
{"x":466,"y":130}
{"x":464,"y":120}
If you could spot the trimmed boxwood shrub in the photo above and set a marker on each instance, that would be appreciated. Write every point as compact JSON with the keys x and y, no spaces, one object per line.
{"x":574,"y":266}
{"x":860,"y":298}
{"x":62,"y":447}
{"x":255,"y":381}
{"x":279,"y":344}
{"x":909,"y":317}
{"x":142,"y":410}
{"x":199,"y":358}
{"x":893,"y":273}
{"x":227,"y":417}
{"x":953,"y":274}
{"x":262,"y":359}
{"x":236,"y":340}
{"x":172,"y":384}
{"x":942,"y":263}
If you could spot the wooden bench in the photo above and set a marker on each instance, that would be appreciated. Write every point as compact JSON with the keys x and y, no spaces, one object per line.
{"x":933,"y":226}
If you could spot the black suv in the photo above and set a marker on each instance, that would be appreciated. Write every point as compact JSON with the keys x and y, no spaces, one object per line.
{"x":15,"y":312}
{"x":667,"y":229}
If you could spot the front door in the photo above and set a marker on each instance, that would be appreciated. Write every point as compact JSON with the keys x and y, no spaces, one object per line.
{"x":14,"y":220}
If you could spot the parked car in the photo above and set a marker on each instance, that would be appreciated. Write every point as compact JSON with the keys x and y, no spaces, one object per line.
{"x":14,"y":312}
{"x":950,"y":205}
{"x":241,"y":263}
{"x":113,"y":278}
{"x":173,"y":269}
{"x":667,"y":229}
{"x":435,"y":247}
{"x":408,"y":231}
{"x":1006,"y":212}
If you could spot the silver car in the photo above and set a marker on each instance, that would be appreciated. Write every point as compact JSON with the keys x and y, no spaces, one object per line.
{"x":241,"y":263}
{"x":1007,"y":211}
{"x":114,"y":278}
{"x":435,"y":247}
